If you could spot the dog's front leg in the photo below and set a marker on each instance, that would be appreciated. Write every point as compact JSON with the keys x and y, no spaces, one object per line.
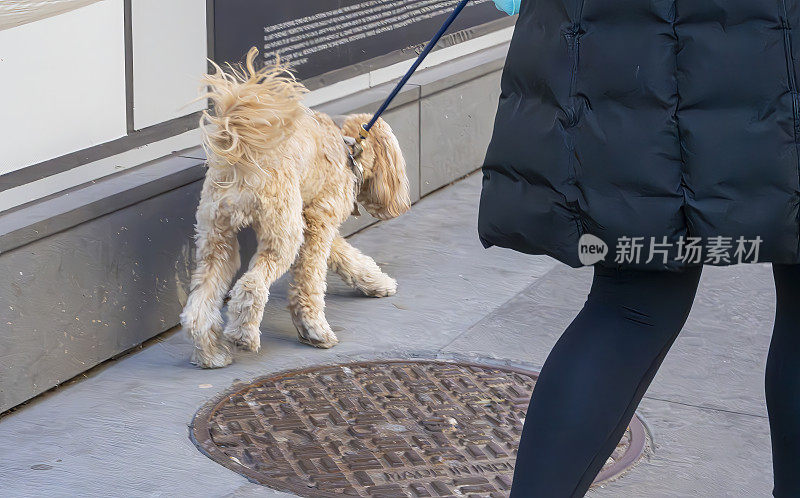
{"x":278,"y":244}
{"x":307,"y":293}
{"x":359,"y":270}
{"x":217,"y":260}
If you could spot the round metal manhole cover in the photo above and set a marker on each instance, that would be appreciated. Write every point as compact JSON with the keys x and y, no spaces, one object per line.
{"x":381,"y":429}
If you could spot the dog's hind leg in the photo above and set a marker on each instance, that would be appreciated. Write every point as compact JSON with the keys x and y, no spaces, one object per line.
{"x":217,"y":256}
{"x":280,"y":233}
{"x":359,"y":271}
{"x":307,"y":293}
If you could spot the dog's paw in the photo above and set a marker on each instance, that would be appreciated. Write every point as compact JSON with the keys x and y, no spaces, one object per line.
{"x":384,"y":286}
{"x":246,"y":338}
{"x":214,"y":357}
{"x":203,"y":324}
{"x":201,"y":321}
{"x":315,"y":333}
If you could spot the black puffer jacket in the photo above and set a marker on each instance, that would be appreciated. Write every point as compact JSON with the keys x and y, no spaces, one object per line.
{"x":636,"y":120}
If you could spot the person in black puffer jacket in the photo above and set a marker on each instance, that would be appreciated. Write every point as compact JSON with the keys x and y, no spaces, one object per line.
{"x":646,"y":138}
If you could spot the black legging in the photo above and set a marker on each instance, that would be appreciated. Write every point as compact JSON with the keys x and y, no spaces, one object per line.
{"x":600,"y":368}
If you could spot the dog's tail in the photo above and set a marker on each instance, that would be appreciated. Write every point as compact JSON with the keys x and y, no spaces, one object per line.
{"x":253,"y":111}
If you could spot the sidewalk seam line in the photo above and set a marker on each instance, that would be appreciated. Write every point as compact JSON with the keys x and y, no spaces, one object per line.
{"x":709,"y":408}
{"x":484,"y":317}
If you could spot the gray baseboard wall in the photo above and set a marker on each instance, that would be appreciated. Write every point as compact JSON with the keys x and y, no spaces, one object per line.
{"x":90,"y":273}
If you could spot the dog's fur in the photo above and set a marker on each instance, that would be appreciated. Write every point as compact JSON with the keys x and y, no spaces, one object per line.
{"x":281,"y":168}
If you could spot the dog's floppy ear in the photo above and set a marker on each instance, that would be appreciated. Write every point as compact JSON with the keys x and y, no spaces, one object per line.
{"x":385,"y":191}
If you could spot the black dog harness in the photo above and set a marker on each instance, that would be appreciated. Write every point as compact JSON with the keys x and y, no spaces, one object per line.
{"x":353,"y":149}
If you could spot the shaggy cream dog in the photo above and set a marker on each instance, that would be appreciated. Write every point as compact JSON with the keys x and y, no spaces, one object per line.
{"x":282,"y":169}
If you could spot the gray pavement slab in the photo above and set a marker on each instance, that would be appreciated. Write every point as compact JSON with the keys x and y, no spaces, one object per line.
{"x":705,"y":408}
{"x":698,"y":452}
{"x":717,"y":362}
{"x":122,"y":430}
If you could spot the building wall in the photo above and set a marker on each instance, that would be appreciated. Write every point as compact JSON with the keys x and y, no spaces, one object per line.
{"x":113,"y":84}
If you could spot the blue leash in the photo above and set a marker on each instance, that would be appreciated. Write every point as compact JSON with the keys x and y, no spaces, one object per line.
{"x":366,"y":127}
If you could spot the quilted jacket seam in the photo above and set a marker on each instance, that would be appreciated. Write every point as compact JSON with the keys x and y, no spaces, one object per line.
{"x":684,"y":186}
{"x":573,"y":37}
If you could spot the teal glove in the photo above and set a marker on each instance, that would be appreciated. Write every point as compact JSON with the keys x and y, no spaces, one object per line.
{"x":510,"y":7}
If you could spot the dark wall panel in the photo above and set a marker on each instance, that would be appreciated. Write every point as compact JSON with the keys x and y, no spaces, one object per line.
{"x":319,"y":36}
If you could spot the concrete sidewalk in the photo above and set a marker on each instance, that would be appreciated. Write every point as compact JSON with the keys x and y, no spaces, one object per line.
{"x":122,"y":431}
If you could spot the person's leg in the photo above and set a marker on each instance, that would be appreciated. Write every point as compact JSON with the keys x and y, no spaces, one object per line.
{"x":595,"y":377}
{"x":783,"y":382}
